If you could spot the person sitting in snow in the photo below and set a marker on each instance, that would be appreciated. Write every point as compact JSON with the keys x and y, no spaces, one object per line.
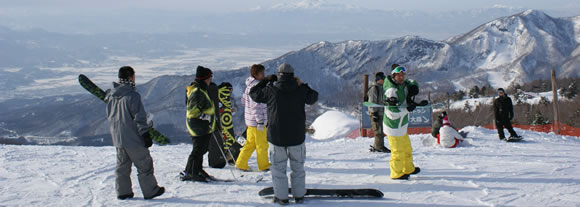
{"x":399,"y":95}
{"x":286,"y":97}
{"x":448,"y":137}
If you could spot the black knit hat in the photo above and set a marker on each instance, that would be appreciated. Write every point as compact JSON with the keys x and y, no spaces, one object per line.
{"x":500,"y":90}
{"x":203,"y":73}
{"x":126,"y":72}
{"x":380,"y":76}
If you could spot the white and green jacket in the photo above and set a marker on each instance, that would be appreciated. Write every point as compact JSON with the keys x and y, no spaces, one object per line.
{"x":396,"y":118}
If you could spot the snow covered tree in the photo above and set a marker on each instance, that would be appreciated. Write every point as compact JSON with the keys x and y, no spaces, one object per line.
{"x":540,"y":119}
{"x":474,"y":92}
{"x":467,"y":107}
{"x":571,"y":91}
{"x":518,"y":96}
{"x":544,"y":101}
{"x":456,"y":96}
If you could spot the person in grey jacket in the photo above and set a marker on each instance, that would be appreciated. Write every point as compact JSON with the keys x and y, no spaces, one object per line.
{"x":130,"y":133}
{"x":376,"y":95}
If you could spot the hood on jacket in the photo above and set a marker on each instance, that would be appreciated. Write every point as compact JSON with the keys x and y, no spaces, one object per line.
{"x":251,"y":80}
{"x":286,"y":83}
{"x":120,"y":89}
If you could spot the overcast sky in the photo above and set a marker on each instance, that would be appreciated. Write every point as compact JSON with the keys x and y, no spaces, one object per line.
{"x":214,"y":6}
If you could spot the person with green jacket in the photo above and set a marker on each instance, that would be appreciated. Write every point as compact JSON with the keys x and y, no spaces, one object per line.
{"x":200,"y":122}
{"x":399,"y":93}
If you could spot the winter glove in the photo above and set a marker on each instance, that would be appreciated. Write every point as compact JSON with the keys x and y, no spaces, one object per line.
{"x":413,"y":90}
{"x":423,"y":103}
{"x":392,"y":101}
{"x":271,"y":78}
{"x":411,"y":106}
{"x":261,"y":127}
{"x":148,"y":140}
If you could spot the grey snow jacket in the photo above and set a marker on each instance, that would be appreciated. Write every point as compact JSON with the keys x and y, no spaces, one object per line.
{"x":127,"y":116}
{"x":376,"y":95}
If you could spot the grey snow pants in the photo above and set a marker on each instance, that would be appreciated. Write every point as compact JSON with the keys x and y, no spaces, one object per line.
{"x":279,"y":156}
{"x":144,"y":164}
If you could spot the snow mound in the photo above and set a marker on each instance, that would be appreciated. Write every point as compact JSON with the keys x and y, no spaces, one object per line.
{"x":332,"y":125}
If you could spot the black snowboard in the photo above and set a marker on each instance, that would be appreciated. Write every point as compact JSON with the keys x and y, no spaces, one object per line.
{"x":92,"y":88}
{"x":227,"y":122}
{"x":344,"y":193}
{"x":513,"y":139}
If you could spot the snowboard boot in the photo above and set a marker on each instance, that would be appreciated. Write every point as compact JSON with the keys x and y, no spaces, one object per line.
{"x":417,"y":171}
{"x":404,"y":177}
{"x":501,"y":138}
{"x":299,"y":200}
{"x":125,"y":197}
{"x":160,"y":192}
{"x":282,"y":202}
{"x":382,"y":149}
{"x":196,"y":177}
{"x":247,"y":170}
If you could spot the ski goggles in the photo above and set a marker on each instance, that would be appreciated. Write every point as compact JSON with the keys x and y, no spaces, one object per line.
{"x":399,"y":69}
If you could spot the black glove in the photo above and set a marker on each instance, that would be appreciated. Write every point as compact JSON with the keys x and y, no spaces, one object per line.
{"x":392,"y":101}
{"x":413,"y":90}
{"x":148,"y":140}
{"x":423,"y":103}
{"x":262,"y":83}
{"x":271,"y":78}
{"x":411,"y":106}
{"x":376,"y":117}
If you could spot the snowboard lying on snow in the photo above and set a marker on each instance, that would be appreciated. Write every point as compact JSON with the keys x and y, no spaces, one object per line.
{"x":513,"y":139}
{"x":346,"y":193}
{"x":87,"y":84}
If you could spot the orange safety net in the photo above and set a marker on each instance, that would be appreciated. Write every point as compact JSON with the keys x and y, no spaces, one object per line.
{"x":369,"y":132}
{"x":547,"y":128}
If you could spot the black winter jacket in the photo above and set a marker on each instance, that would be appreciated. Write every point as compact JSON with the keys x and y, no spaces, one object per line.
{"x":503,"y":108}
{"x":286,"y":115}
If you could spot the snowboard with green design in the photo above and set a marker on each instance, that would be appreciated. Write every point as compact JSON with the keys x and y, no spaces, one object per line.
{"x":92,"y":88}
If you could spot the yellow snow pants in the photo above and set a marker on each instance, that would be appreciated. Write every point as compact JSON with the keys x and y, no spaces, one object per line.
{"x":255,"y":140}
{"x":401,"y":162}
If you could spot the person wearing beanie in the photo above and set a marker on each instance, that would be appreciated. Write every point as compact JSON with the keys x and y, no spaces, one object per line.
{"x":448,"y":137}
{"x":286,"y":97}
{"x":130,"y":133}
{"x":396,"y":121}
{"x":200,"y":123}
{"x":256,"y":118}
{"x":375,"y":95}
{"x":504,"y":113}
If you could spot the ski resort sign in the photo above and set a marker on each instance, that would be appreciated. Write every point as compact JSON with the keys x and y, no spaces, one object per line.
{"x":421,"y":117}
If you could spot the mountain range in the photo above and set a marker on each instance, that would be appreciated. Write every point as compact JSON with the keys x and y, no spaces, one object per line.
{"x":505,"y":51}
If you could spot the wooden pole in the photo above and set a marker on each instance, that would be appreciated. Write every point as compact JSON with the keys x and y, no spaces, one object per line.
{"x":555,"y":103}
{"x":363,"y":132}
{"x":429,"y":96}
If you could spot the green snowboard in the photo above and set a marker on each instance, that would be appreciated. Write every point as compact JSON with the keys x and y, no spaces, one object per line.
{"x":87,"y":84}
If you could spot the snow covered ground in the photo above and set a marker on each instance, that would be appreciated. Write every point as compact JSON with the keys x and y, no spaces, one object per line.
{"x":542,"y":171}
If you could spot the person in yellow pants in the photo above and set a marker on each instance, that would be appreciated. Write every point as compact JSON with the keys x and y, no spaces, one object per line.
{"x":256,"y":118}
{"x":256,"y":140}
{"x":401,"y":162}
{"x":398,"y":91}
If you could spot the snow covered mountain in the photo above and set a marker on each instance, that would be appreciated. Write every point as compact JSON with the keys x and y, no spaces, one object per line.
{"x":513,"y":49}
{"x":508,"y":50}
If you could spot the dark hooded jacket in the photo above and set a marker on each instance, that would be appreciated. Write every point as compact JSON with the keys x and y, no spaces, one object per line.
{"x":127,"y":116}
{"x":286,"y":110}
{"x":503,"y":108}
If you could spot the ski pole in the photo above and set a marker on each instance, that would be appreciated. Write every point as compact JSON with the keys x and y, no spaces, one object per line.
{"x":223,"y":154}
